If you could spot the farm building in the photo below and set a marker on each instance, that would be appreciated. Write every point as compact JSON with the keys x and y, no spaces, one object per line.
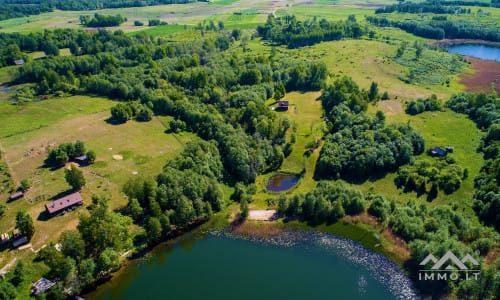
{"x":19,"y":62}
{"x":82,"y":160}
{"x":437,"y":152}
{"x":20,"y":241}
{"x":16,"y":196}
{"x":63,"y":203}
{"x":41,"y":285}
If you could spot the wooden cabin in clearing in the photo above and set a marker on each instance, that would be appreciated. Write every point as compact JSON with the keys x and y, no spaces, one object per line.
{"x":64,"y":203}
{"x":437,"y":152}
{"x":283,"y":104}
{"x":82,"y":160}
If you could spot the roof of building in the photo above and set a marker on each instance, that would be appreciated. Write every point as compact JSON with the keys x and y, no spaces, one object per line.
{"x":16,"y":195}
{"x":41,"y":285}
{"x":438,"y":151}
{"x":81,"y":158}
{"x":282,"y":103}
{"x":18,"y":62}
{"x":64,"y":202}
{"x":20,"y":241}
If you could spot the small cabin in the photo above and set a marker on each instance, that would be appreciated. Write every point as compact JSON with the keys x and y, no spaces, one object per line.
{"x":82,"y":160}
{"x":20,"y":241}
{"x":19,"y":62}
{"x":437,"y":152}
{"x":283,"y":104}
{"x":16,"y":196}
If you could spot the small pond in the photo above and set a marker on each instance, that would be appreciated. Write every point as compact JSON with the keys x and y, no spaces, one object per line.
{"x":282,"y":182}
{"x":476,"y":50}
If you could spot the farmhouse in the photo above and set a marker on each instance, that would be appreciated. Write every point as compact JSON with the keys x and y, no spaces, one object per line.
{"x":16,"y":196}
{"x":63,"y":203}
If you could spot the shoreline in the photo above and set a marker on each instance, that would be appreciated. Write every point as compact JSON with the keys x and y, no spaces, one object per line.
{"x":450,"y":42}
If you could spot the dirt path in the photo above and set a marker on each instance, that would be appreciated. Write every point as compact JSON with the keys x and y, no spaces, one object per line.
{"x":262,"y":215}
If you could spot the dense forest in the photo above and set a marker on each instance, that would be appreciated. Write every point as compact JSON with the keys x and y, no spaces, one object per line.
{"x":100,"y":20}
{"x":438,"y":28}
{"x":209,"y":90}
{"x":287,"y":30}
{"x":23,"y":8}
{"x":357,"y":144}
{"x":485,"y":111}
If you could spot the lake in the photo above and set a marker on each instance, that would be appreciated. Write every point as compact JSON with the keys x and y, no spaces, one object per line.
{"x":282,"y":182}
{"x":298,"y":265}
{"x":476,"y":50}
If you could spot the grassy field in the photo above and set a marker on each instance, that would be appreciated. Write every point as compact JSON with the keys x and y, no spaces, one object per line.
{"x":32,"y":130}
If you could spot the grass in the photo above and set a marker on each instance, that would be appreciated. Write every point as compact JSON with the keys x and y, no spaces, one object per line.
{"x":305,"y":114}
{"x":440,"y":129}
{"x":145,"y":148}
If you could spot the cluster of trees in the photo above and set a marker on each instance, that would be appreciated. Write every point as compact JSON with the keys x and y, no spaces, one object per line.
{"x":92,"y":251}
{"x":65,"y":152}
{"x":186,"y":192}
{"x":22,"y":8}
{"x":287,"y":30}
{"x":420,"y":105}
{"x":359,"y":145}
{"x":429,"y":176}
{"x":100,"y":20}
{"x":328,"y":202}
{"x":427,"y":230}
{"x":485,"y":111}
{"x":440,"y":28}
{"x":122,"y":112}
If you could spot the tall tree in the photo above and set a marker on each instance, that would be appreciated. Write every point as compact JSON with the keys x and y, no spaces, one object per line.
{"x":75,"y":178}
{"x":24,"y":223}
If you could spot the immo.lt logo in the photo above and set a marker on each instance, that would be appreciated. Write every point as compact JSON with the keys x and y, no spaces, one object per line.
{"x":449,"y":267}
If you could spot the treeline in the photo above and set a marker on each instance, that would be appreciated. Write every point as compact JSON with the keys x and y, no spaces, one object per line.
{"x":287,"y":30}
{"x":440,"y":29}
{"x":426,"y":230}
{"x":485,"y":112}
{"x":420,"y":105}
{"x":15,"y":9}
{"x":23,"y":8}
{"x":357,"y":144}
{"x":102,"y":20}
{"x":65,"y":152}
{"x":186,"y":192}
{"x":425,"y":7}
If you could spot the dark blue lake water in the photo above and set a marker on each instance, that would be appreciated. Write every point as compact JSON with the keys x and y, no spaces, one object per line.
{"x":293,"y":266}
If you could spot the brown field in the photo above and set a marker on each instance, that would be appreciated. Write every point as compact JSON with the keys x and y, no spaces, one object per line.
{"x":486,"y":73}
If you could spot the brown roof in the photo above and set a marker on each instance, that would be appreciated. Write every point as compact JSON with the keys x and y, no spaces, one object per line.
{"x":64,"y":202}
